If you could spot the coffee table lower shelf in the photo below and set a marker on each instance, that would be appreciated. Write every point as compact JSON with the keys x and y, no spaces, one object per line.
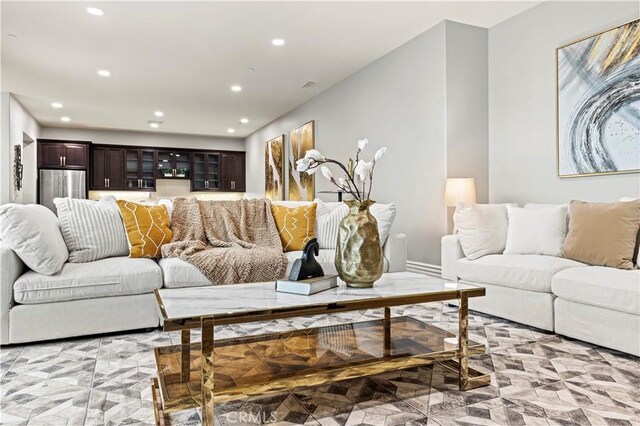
{"x":256,"y":365}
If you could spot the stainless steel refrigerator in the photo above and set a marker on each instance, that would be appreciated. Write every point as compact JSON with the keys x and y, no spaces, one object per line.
{"x":61,"y":183}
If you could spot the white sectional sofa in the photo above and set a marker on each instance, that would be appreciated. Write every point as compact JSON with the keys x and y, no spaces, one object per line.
{"x":595,"y":304}
{"x":109,"y":295}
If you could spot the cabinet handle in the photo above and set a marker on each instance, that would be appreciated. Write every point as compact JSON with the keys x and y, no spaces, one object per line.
{"x":64,"y":160}
{"x":233,"y":184}
{"x":108,"y":182}
{"x":61,"y":161}
{"x":139,"y":183}
{"x":105,"y":182}
{"x":174,"y":172}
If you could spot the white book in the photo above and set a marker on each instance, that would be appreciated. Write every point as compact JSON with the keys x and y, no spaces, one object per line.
{"x":309,"y":286}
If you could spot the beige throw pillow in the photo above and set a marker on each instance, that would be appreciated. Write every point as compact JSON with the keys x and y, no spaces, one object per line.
{"x":603,"y":234}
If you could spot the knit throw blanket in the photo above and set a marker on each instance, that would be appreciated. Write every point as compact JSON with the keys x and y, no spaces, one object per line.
{"x":228,"y":241}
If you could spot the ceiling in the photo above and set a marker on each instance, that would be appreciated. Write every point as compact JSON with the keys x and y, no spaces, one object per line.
{"x":182,"y":57}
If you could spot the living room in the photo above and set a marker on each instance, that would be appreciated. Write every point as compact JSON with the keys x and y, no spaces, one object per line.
{"x":494,"y":281}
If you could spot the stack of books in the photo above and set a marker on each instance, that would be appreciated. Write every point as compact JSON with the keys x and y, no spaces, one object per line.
{"x":308,"y":286}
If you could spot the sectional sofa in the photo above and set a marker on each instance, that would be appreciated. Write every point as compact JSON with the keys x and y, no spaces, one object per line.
{"x":595,"y":304}
{"x":112,"y":294}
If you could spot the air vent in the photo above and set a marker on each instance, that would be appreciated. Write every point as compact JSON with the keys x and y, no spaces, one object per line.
{"x":309,"y":84}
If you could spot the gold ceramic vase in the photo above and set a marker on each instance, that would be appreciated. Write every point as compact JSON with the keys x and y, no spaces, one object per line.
{"x":358,"y":252}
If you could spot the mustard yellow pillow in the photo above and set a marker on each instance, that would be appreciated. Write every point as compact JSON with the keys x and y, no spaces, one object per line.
{"x":147,"y":228}
{"x":296,"y":225}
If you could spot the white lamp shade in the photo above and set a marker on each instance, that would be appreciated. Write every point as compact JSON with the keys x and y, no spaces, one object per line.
{"x":460,"y":190}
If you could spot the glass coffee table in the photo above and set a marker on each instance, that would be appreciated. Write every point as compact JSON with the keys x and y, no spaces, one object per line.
{"x":200,"y":374}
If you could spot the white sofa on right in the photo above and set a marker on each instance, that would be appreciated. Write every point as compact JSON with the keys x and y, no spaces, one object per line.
{"x":595,"y":304}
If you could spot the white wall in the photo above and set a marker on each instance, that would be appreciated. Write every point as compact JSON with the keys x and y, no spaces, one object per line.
{"x":18,"y":126}
{"x":522,"y":127}
{"x":5,"y":148}
{"x":398,"y":101}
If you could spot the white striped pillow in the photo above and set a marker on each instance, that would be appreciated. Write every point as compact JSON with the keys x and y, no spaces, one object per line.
{"x":327,"y":223}
{"x":92,"y":230}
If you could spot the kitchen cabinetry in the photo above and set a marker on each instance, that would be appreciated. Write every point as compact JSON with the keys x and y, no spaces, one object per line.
{"x":55,"y":154}
{"x":174,"y":164}
{"x":107,"y":168}
{"x":232,"y":166}
{"x":140,"y":169}
{"x":206,"y":171}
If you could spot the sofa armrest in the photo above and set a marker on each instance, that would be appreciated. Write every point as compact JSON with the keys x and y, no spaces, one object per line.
{"x":11,"y":267}
{"x":451,"y":252}
{"x":395,"y":250}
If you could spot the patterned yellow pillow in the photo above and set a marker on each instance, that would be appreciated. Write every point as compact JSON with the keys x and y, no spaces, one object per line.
{"x":296,"y":225}
{"x":147,"y":228}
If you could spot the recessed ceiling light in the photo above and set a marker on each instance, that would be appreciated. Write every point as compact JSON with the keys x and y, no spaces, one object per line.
{"x":95,"y":11}
{"x":231,"y":130}
{"x":277,"y":42}
{"x":244,"y":120}
{"x":65,"y":119}
{"x":159,"y":114}
{"x":251,"y":69}
{"x":56,"y":105}
{"x":236,"y":88}
{"x":154,"y":125}
{"x":12,"y":36}
{"x":104,"y":73}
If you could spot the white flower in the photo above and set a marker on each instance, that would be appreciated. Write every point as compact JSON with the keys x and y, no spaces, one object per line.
{"x":326,"y":173}
{"x":363,"y":168}
{"x":312,"y":170}
{"x":314,"y":154}
{"x":302,"y":165}
{"x":342,"y":182}
{"x":379,"y":154}
{"x":362,"y":143}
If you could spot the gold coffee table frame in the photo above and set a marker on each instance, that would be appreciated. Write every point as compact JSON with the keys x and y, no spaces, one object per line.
{"x":186,"y":371}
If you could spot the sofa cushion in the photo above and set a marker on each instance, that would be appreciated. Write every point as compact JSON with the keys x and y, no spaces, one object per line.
{"x":530,"y":272}
{"x":482,"y":228}
{"x":536,"y":230}
{"x":610,"y":288}
{"x":115,"y":276}
{"x":178,"y":273}
{"x":32,"y":232}
{"x":92,"y":230}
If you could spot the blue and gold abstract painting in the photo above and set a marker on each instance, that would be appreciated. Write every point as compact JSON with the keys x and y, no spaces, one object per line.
{"x":598,"y":103}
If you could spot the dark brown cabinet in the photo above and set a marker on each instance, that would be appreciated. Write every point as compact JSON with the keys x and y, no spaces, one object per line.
{"x":232,"y":167}
{"x":53,"y":154}
{"x":140,"y":169}
{"x":174,"y":164}
{"x":107,"y":168}
{"x":205,"y":172}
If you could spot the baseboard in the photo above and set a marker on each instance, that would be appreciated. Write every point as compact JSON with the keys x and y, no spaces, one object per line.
{"x":424,"y":268}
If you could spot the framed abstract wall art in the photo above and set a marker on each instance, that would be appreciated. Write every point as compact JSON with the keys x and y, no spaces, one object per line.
{"x":301,"y":185}
{"x":598,"y":103}
{"x":274,"y":169}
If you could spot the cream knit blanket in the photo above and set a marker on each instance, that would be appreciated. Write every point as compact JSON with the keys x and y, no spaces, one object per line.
{"x":228,"y":241}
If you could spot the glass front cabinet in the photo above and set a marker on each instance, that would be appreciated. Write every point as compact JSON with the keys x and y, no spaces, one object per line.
{"x":206,"y":171}
{"x":174,"y":165}
{"x":140,"y":169}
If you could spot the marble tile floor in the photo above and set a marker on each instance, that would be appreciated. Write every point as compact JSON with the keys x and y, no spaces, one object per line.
{"x":537,"y":378}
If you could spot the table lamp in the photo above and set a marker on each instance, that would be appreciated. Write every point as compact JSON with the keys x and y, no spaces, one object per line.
{"x":460,"y":190}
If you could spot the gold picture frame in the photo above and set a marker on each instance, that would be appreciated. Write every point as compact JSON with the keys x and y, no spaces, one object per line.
{"x":274,"y":169}
{"x":301,"y":185}
{"x":583,"y":76}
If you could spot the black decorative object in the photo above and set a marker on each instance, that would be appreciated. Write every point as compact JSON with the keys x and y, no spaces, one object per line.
{"x":17,"y":167}
{"x":307,"y":266}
